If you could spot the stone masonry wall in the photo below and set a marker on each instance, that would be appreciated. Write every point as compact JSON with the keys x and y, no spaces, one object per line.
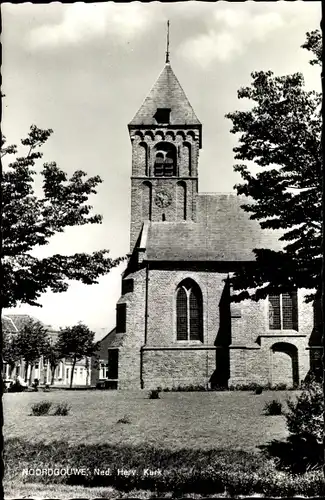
{"x":129,"y":353}
{"x":143,"y":155}
{"x":167,"y":362}
{"x":250,"y":324}
{"x":188,"y":362}
{"x":175,"y":368}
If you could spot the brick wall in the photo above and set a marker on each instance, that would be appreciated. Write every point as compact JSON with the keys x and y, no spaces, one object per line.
{"x":179,"y":367}
{"x":247,"y":342}
{"x":188,"y":363}
{"x":143,"y":156}
{"x":129,"y":353}
{"x":281,"y":352}
{"x":162,"y":303}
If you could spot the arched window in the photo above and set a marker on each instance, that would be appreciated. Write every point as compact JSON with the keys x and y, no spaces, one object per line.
{"x":181,"y":201}
{"x":146,"y":200}
{"x":121,"y":318}
{"x":189,"y":317}
{"x":165,"y":160}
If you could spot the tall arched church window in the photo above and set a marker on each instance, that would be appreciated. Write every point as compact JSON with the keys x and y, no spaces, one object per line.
{"x":146,"y":200}
{"x":181,"y":311}
{"x":181,"y":201}
{"x":165,"y":160}
{"x":189,"y":312}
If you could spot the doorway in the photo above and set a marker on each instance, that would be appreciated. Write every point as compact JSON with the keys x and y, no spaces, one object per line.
{"x":284,"y":359}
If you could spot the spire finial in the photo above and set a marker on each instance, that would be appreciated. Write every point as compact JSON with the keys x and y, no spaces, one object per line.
{"x":167,"y":51}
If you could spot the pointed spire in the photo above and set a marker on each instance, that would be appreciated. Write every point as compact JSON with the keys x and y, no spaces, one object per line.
{"x":167,"y":51}
{"x":166,"y":93}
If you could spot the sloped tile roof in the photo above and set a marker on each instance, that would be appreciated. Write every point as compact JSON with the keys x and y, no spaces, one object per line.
{"x":13,"y":323}
{"x":19,"y":320}
{"x":223,"y":232}
{"x":114,"y":339}
{"x":8,"y":326}
{"x":166,"y":93}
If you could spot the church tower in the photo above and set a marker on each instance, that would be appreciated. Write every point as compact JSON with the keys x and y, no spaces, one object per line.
{"x":166,"y":137}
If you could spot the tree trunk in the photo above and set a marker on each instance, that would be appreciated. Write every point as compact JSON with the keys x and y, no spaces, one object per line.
{"x":31,"y":373}
{"x":87,"y":370}
{"x":72,"y":371}
{"x":26,"y":371}
{"x":52,"y":374}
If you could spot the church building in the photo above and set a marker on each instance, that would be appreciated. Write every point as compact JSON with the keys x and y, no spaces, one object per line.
{"x":175,"y":322}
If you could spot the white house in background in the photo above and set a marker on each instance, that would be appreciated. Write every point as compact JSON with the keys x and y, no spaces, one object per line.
{"x":12,"y":324}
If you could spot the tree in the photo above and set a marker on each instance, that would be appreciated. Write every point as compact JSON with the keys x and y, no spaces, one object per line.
{"x":281,"y":134}
{"x":53,"y":356}
{"x":10,"y":351}
{"x":305,"y":415}
{"x":31,"y":342}
{"x":313,"y":43}
{"x":29,"y":222}
{"x":77,"y":342}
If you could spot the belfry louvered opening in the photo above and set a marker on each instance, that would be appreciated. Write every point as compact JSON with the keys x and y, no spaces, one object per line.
{"x":165,"y":160}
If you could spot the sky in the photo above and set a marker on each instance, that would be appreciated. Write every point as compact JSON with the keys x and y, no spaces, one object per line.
{"x":84,"y":70}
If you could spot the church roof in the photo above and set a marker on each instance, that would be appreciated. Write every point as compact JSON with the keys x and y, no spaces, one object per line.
{"x":114,"y":339}
{"x":166,"y":93}
{"x":14,"y":323}
{"x":223,"y":232}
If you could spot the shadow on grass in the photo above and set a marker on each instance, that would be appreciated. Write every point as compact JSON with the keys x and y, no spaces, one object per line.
{"x":297,"y":454}
{"x":183,"y":471}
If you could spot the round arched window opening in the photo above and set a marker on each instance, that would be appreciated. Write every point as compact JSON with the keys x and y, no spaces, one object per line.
{"x":165,"y":160}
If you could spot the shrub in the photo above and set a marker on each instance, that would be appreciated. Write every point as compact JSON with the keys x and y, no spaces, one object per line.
{"x":279,"y":387}
{"x":274,"y":407}
{"x":62,"y":409}
{"x":186,"y":388}
{"x":124,"y":420}
{"x":305,"y":415}
{"x":154,"y":394}
{"x":259,"y":388}
{"x":35,"y":384}
{"x":252,"y":386}
{"x":41,"y":408}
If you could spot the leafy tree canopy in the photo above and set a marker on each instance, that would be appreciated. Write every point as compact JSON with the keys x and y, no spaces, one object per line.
{"x":282,"y":135}
{"x":29,"y":222}
{"x":52,"y":355}
{"x":31,"y":342}
{"x":77,"y":342}
{"x":10,"y":351}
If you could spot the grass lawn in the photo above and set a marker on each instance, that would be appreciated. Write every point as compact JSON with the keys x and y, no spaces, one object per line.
{"x":63,"y":492}
{"x":198,"y":420}
{"x":204,"y":443}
